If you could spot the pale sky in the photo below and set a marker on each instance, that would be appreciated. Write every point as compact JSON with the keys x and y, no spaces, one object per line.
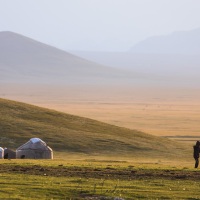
{"x":97,"y":25}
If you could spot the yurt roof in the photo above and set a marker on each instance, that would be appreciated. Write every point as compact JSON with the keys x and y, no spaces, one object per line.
{"x":34,"y":143}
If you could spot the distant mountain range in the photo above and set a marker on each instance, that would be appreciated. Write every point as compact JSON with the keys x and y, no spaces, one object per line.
{"x":25,"y":60}
{"x":182,"y":42}
{"x":162,"y":60}
{"x":174,"y":57}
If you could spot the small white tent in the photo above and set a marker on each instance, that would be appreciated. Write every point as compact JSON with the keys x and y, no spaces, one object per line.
{"x":35,"y":148}
{"x":1,"y":153}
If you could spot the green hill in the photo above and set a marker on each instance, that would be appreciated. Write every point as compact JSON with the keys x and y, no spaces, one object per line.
{"x":72,"y":134}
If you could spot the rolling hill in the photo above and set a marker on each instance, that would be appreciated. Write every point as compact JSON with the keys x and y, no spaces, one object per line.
{"x":24,"y":60}
{"x":72,"y":134}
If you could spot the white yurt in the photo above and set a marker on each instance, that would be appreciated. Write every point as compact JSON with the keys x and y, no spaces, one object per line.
{"x":35,"y":148}
{"x":1,"y":153}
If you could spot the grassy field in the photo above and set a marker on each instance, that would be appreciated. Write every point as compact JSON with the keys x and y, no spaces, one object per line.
{"x":96,"y":160}
{"x":97,"y":179}
{"x":78,"y":135}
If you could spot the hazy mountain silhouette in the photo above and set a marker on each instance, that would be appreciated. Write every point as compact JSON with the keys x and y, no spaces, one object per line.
{"x":181,"y":42}
{"x":25,"y":60}
{"x":174,"y":57}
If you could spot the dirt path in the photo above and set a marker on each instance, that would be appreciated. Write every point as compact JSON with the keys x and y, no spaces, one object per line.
{"x":106,"y":173}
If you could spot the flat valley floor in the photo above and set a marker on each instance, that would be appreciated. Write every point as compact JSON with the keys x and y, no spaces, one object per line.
{"x":170,"y":112}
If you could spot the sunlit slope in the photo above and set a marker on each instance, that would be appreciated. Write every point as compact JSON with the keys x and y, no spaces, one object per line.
{"x":68,"y":133}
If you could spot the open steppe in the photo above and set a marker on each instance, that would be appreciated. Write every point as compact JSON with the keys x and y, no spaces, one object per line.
{"x":158,"y":111}
{"x":92,"y":159}
{"x":81,"y":136}
{"x":121,"y":126}
{"x":97,"y":179}
{"x":166,"y":173}
{"x":163,"y":104}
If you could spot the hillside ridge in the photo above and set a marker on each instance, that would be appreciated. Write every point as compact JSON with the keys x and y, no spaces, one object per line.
{"x":69,"y":133}
{"x":25,"y":60}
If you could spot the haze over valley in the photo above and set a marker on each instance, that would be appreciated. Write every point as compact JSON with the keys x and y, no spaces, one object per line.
{"x":138,"y":91}
{"x":174,"y":57}
{"x":99,"y":99}
{"x":137,"y":68}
